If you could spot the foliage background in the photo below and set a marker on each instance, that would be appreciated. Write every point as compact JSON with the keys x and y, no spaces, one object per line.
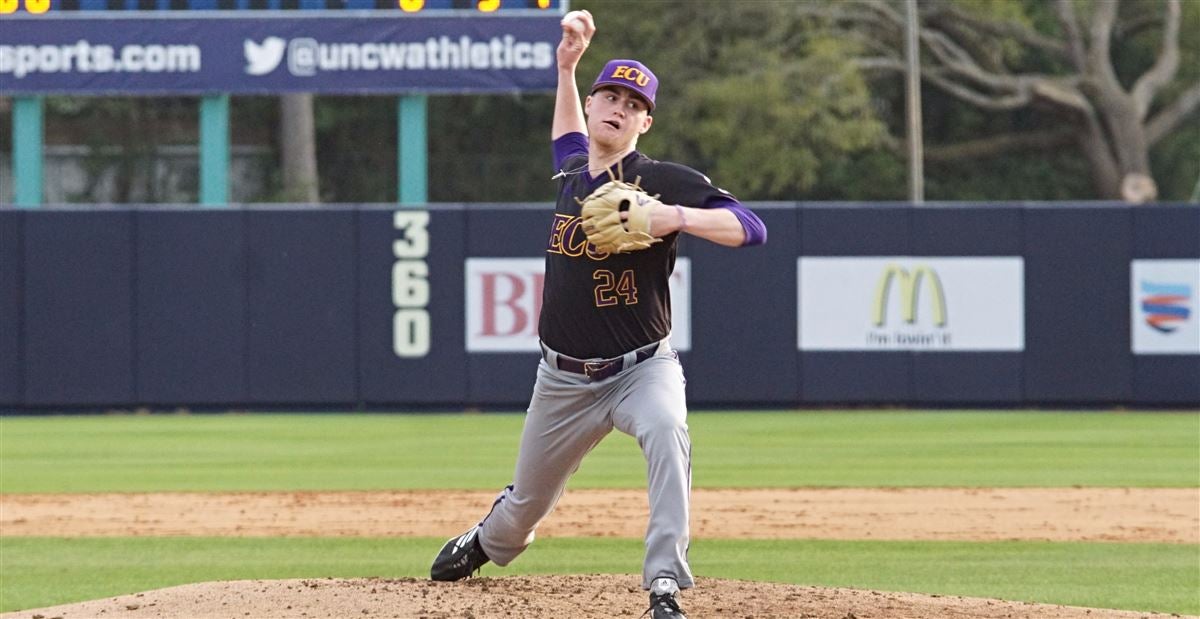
{"x":764,"y":96}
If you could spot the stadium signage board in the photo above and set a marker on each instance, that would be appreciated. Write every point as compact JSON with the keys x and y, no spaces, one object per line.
{"x":892,"y":303}
{"x":405,"y":7}
{"x":321,"y":52}
{"x":1164,"y":307}
{"x":504,"y":299}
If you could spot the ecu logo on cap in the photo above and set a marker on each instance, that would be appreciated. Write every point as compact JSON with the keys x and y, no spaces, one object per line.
{"x":632,"y":74}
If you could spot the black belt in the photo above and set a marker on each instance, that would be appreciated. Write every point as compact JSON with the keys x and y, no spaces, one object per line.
{"x":600,"y":369}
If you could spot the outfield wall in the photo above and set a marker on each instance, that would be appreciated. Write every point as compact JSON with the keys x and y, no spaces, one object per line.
{"x":366,"y":306}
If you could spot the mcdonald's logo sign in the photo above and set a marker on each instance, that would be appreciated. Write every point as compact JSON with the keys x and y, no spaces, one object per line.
{"x":910,"y":285}
{"x":888,"y":303}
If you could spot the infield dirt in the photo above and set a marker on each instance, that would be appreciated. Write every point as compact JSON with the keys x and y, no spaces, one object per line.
{"x":1169,"y":515}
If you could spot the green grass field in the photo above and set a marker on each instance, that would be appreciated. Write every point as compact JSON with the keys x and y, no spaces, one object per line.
{"x":135,"y":453}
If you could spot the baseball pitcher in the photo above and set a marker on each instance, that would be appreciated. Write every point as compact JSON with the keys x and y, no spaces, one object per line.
{"x":605,"y":324}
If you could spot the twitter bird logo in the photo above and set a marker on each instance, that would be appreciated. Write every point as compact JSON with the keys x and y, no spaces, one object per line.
{"x":264,"y":58}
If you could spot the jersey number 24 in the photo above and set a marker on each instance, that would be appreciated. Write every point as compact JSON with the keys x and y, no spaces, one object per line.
{"x":612,"y":289}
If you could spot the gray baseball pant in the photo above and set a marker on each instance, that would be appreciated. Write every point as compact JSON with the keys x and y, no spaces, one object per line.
{"x":567,"y":417}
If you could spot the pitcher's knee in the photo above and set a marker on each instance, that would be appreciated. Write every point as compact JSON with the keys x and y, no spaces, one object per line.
{"x":664,"y":426}
{"x":664,"y":433}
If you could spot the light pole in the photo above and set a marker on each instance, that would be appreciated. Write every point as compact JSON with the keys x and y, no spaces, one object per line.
{"x":912,"y":50}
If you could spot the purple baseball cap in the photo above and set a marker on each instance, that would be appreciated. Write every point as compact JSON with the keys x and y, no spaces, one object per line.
{"x":630,"y":74}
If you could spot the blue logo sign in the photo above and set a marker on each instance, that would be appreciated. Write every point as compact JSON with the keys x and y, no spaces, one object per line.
{"x":1165,"y":305}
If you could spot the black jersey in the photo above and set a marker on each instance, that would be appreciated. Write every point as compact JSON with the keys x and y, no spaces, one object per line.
{"x":603,"y":305}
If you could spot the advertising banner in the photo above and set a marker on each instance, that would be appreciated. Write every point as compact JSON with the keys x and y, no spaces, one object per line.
{"x":892,"y":303}
{"x":504,"y":299}
{"x":320,"y":54}
{"x":1163,"y":307}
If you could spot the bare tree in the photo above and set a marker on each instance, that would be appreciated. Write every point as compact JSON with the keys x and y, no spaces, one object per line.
{"x":1113,"y":123}
{"x":298,"y":148}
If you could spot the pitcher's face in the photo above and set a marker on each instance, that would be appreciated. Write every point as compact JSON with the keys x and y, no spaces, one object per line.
{"x":616,"y":116}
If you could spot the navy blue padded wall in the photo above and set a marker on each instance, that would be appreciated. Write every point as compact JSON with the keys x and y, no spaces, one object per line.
{"x":1168,"y":232}
{"x":301,"y":279}
{"x":967,"y":377}
{"x":293,"y":306}
{"x":516,"y":231}
{"x":78,"y":311}
{"x":743,"y":322}
{"x":191,"y":307}
{"x":440,"y":376}
{"x":967,"y":230}
{"x":1077,"y":304}
{"x":1167,"y":379}
{"x":11,"y":287}
{"x":851,"y":376}
{"x":856,"y":230}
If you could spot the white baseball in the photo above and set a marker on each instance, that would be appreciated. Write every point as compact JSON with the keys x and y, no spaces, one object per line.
{"x":575,"y":20}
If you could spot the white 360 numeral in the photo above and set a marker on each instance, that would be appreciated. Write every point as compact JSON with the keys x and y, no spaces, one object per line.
{"x":410,"y":285}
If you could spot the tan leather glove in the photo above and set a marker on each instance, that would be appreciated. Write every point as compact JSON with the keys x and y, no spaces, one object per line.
{"x":602,"y":222}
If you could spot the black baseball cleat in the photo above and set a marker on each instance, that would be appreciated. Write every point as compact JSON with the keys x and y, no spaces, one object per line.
{"x":459,"y":558}
{"x":663,"y":604}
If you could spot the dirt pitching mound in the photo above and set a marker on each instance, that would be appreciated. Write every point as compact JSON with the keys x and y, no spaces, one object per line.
{"x":533,"y":597}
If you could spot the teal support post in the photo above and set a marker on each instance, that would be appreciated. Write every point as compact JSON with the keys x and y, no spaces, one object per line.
{"x":214,"y":150}
{"x":413,"y":156}
{"x":28,"y":135}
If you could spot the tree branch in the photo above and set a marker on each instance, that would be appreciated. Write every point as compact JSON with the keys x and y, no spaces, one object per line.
{"x":1021,"y":89}
{"x":1132,"y":27}
{"x":1064,"y":92}
{"x":880,"y":63}
{"x":1165,"y":121}
{"x":942,"y":48}
{"x":1008,"y":29}
{"x":1070,"y":25}
{"x":956,"y":60}
{"x":1164,"y":68}
{"x":1105,"y":171}
{"x":883,"y":9}
{"x":990,"y":146}
{"x":1099,"y":59}
{"x":1019,"y":97}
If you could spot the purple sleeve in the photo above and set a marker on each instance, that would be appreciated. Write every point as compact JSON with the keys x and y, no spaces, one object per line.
{"x":569,"y":145}
{"x":756,"y":230}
